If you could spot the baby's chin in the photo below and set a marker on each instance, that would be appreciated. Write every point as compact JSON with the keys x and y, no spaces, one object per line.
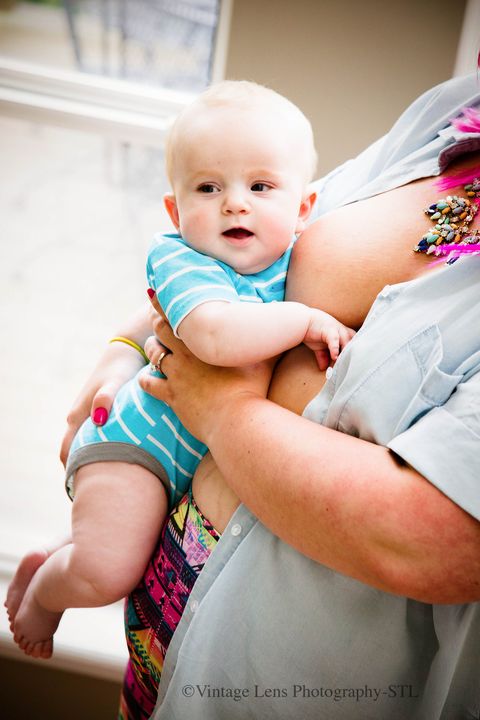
{"x":252,"y":266}
{"x":250,"y":269}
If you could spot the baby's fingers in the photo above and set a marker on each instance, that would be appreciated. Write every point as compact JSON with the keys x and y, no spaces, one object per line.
{"x":323,"y":358}
{"x":332,"y":339}
{"x":346,"y":334}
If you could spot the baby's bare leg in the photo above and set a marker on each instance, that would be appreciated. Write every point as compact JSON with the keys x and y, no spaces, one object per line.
{"x":116,"y":519}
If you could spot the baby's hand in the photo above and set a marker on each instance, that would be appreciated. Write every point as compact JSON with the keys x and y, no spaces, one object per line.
{"x":326,"y":337}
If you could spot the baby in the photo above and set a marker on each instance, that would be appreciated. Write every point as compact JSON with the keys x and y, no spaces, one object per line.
{"x":239,"y":160}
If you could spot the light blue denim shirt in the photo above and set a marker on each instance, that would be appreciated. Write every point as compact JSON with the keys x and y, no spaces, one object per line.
{"x":268,"y":633}
{"x":419,"y":343}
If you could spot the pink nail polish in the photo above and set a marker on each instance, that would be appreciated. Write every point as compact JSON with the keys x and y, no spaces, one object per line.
{"x":100,"y":416}
{"x":150,"y":293}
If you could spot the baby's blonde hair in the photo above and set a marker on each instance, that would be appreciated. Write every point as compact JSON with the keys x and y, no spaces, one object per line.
{"x":241,"y":94}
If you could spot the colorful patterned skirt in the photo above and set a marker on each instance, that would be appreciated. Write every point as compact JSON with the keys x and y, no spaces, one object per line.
{"x":154,"y":608}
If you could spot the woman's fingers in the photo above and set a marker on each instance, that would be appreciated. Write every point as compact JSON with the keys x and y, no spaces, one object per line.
{"x":78,"y":413}
{"x":157,"y":319}
{"x":153,"y":385}
{"x":118,"y":364}
{"x":154,"y":301}
{"x":196,"y":391}
{"x":66,"y":442}
{"x":103,"y":400}
{"x":157,"y":316}
{"x":154,"y":348}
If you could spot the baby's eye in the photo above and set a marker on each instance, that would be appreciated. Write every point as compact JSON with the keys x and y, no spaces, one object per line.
{"x":260,"y":187}
{"x":208,"y":188}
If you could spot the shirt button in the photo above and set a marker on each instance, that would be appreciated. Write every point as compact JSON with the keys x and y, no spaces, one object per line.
{"x":329,"y":373}
{"x":194,"y":606}
{"x":386,"y":291}
{"x":236,"y":529}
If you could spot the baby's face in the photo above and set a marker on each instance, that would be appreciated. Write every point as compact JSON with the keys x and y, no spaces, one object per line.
{"x":239,"y":179}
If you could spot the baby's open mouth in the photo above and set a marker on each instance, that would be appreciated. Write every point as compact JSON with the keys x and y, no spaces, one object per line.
{"x":237,"y":233}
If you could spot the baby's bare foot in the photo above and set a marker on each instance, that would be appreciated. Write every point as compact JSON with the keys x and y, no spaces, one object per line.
{"x":42,"y":650}
{"x":34,"y":627}
{"x":21,"y":580}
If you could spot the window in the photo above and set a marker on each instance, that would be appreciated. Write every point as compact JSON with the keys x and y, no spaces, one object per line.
{"x":84,"y":105}
{"x":166,"y":43}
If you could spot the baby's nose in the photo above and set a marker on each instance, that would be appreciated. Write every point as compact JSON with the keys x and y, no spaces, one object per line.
{"x":235,"y":203}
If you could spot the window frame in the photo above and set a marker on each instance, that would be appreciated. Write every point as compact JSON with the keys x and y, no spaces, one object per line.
{"x":117,"y":108}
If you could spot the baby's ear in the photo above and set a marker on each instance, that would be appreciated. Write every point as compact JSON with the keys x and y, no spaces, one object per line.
{"x":306,"y":207}
{"x":171,"y":208}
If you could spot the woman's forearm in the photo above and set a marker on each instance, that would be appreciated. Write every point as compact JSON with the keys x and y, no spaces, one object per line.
{"x":138,"y":326}
{"x":346,"y":503}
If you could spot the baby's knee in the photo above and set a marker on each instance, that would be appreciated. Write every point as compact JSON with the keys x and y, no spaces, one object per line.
{"x":107,"y":576}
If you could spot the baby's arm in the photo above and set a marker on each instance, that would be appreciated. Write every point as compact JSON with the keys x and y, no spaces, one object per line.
{"x":202,"y":305}
{"x":235,"y":334}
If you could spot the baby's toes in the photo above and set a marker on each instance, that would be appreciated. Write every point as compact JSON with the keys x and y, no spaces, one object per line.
{"x":46,"y":649}
{"x":34,"y":649}
{"x":21,"y":641}
{"x":29,"y":648}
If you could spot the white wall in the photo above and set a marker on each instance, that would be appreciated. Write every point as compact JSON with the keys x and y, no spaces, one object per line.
{"x":352,"y":66}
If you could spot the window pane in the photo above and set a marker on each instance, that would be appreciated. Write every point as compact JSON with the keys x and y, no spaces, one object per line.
{"x":78,"y":213}
{"x":167,"y":43}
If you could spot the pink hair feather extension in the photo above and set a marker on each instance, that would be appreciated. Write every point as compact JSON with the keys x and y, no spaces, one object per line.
{"x":463,"y":178}
{"x":468,"y":122}
{"x":458,"y":249}
{"x":455,"y":251}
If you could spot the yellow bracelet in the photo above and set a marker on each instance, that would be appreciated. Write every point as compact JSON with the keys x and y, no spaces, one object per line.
{"x":132,"y":344}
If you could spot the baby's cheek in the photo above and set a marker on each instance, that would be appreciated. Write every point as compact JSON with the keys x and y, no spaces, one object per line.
{"x":195,"y":229}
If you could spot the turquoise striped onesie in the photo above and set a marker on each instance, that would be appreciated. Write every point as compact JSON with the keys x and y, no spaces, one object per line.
{"x":141,"y":429}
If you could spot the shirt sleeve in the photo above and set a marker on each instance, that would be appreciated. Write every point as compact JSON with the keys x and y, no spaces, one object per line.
{"x":444,"y":446}
{"x":183,"y":279}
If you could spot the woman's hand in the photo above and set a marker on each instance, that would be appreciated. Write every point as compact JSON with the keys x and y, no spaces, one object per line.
{"x":194,"y":390}
{"x":118,"y":364}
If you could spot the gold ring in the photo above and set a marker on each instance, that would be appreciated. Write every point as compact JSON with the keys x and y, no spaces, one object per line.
{"x":158,"y":365}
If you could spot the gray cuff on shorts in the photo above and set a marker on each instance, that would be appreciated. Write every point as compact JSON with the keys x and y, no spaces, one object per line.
{"x":113,"y":452}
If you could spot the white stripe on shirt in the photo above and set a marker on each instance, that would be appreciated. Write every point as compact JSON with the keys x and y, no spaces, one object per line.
{"x":250,"y":298}
{"x":168,"y":422}
{"x":102,"y":434}
{"x":126,"y":429}
{"x":169,"y":455}
{"x":170,"y":256}
{"x":196,"y":289}
{"x":139,"y":407}
{"x":266,"y":283}
{"x":184,"y":271}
